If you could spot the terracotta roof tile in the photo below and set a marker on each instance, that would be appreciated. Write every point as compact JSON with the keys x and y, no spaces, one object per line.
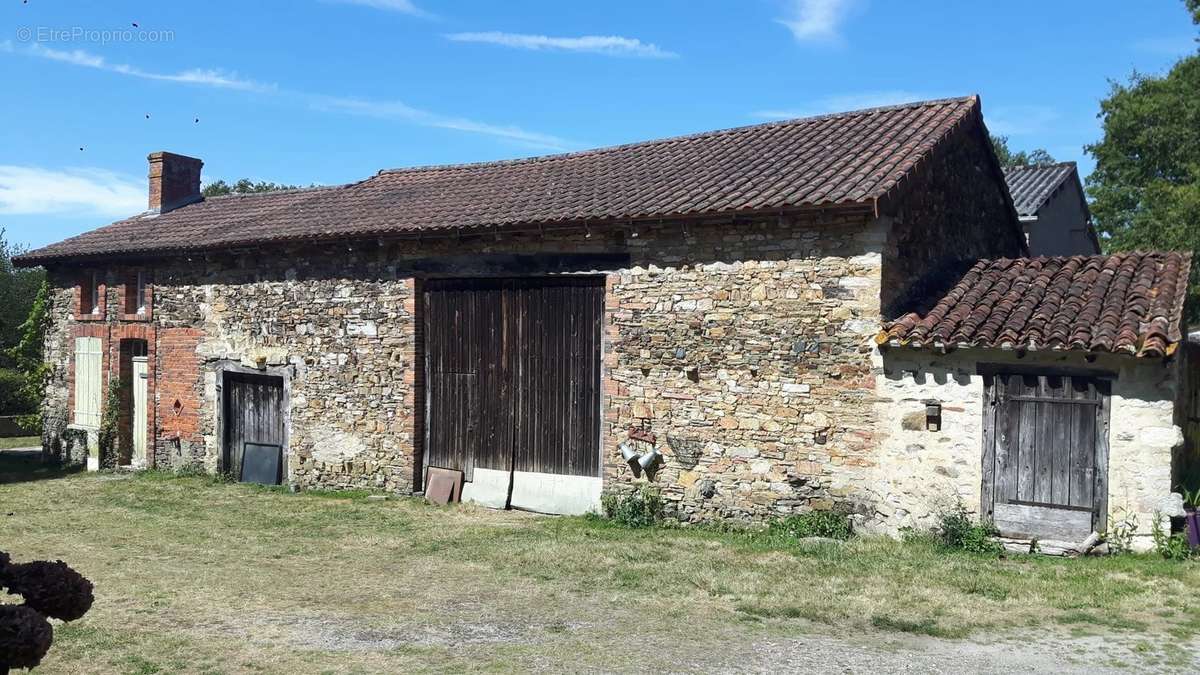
{"x":1126,"y":302}
{"x":843,"y":159}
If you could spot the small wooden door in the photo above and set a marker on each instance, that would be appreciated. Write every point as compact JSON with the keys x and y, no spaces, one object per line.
{"x":141,"y":375}
{"x":1046,"y":471}
{"x":254,"y":423}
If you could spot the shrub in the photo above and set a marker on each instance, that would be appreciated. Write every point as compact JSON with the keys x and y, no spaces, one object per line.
{"x":957,"y":530}
{"x":15,"y":398}
{"x":641,"y":508}
{"x":25,"y":637}
{"x":52,"y":588}
{"x":813,"y":524}
{"x":48,"y":589}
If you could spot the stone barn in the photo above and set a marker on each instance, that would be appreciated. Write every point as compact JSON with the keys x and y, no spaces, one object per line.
{"x":716,"y":298}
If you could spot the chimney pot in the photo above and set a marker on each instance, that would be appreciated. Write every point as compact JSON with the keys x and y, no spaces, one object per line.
{"x":174,"y":181}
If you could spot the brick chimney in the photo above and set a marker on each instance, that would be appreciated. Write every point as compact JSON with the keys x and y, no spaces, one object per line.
{"x":174,"y":181}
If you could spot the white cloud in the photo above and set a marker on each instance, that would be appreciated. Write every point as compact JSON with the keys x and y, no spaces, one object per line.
{"x":844,"y":103}
{"x":611,"y":45}
{"x":401,"y":6}
{"x":395,"y":110}
{"x":28,"y":190}
{"x":204,"y":77}
{"x":391,"y":110}
{"x":816,"y":20}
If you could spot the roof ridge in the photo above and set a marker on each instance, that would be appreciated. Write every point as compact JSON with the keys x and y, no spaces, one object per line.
{"x":676,"y":139}
{"x":284,"y":191}
{"x":1048,"y":165}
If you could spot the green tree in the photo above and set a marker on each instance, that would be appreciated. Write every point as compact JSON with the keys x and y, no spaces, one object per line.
{"x":18,"y":288}
{"x":1145,"y":189}
{"x":1009,"y":159}
{"x":243,"y":186}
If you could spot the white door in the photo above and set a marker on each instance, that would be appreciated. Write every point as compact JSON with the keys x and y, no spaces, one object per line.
{"x":141,"y":374}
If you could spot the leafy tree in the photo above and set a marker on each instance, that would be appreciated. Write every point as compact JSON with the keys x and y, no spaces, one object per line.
{"x":18,"y":288}
{"x":31,"y":370}
{"x":243,"y":186}
{"x":1009,"y":159}
{"x":1146,"y":187}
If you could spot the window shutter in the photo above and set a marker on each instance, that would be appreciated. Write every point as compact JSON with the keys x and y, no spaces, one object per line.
{"x":88,"y":359}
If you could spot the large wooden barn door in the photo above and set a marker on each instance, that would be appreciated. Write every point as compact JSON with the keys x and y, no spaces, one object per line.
{"x":1046,"y":475}
{"x":513,"y":388}
{"x":254,"y":428}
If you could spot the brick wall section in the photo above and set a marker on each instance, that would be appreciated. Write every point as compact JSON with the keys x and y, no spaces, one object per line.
{"x":952,"y":209}
{"x":179,"y":399}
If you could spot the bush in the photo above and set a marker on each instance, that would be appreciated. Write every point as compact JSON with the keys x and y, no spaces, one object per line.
{"x":15,"y":396}
{"x":641,"y":508}
{"x":25,"y":637}
{"x":813,"y":524}
{"x":957,"y":530}
{"x":52,"y":588}
{"x":49,"y":589}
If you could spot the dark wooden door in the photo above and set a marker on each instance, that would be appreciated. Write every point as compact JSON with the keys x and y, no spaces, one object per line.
{"x":513,"y":374}
{"x":1046,"y":474}
{"x":253,"y":418}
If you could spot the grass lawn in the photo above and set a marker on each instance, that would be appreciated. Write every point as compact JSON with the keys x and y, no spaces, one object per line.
{"x":20,"y":442}
{"x":194,"y":575}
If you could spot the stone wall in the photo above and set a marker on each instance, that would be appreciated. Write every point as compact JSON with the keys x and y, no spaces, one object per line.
{"x":745,"y":346}
{"x":749,"y":348}
{"x":920,"y":473}
{"x":952,"y":210}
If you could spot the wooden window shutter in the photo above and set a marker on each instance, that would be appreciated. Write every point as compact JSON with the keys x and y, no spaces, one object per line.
{"x":88,"y":362}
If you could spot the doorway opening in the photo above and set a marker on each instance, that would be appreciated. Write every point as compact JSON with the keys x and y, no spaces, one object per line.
{"x":254,"y":433}
{"x":133,"y":417}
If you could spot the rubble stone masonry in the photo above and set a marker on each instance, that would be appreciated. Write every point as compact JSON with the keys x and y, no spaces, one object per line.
{"x":744,"y":346}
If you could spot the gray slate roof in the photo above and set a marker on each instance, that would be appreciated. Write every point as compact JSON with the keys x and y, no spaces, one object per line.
{"x":1032,"y":186}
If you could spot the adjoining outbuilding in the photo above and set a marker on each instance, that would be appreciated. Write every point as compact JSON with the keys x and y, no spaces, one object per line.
{"x":1052,"y":209}
{"x":1069,"y":373}
{"x":715,"y":296}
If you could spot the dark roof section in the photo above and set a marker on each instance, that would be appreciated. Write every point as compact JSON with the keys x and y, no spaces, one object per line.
{"x":845,"y":159}
{"x":1032,"y":186}
{"x":1129,"y":303}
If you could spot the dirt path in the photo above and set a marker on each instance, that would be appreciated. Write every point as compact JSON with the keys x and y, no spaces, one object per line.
{"x":876,"y":654}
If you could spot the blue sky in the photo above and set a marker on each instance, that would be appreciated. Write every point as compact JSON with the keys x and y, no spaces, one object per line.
{"x":330,"y":91}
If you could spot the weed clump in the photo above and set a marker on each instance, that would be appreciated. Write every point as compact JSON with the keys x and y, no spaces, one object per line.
{"x":828,"y":524}
{"x":641,"y":508}
{"x":956,"y":530}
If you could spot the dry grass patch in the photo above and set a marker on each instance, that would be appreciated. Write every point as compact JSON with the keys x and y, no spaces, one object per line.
{"x":194,"y":575}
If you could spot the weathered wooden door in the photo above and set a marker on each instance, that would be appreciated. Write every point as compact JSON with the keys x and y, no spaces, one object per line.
{"x":1046,"y":473}
{"x":254,"y":427}
{"x":141,"y":374}
{"x":513,"y":387}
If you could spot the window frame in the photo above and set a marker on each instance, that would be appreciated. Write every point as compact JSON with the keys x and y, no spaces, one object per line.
{"x":137,"y":293}
{"x":90,"y":296}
